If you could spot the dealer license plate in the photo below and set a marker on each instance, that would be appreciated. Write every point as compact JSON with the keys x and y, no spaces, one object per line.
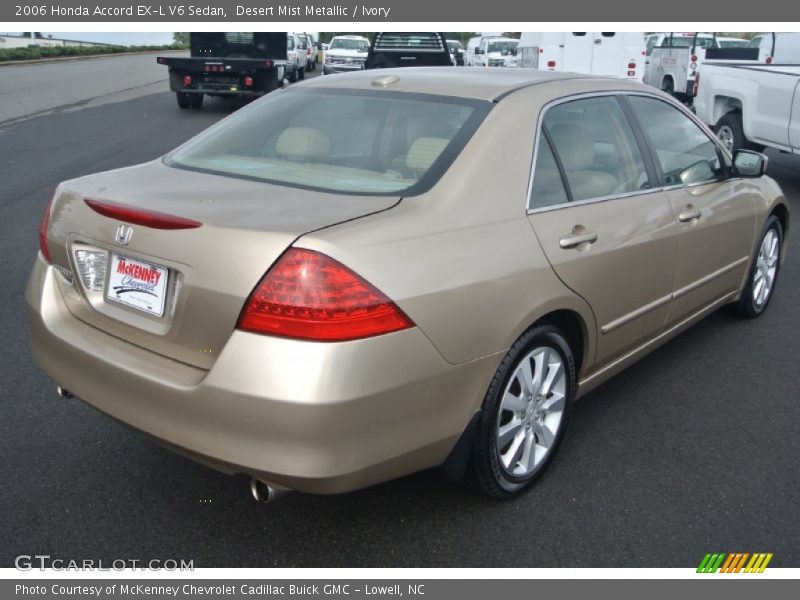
{"x":137,"y":284}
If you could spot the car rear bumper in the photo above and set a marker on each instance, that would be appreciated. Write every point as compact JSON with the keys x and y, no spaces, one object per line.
{"x":316,"y":417}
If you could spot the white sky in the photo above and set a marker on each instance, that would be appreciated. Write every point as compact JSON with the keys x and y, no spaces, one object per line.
{"x":123,"y":38}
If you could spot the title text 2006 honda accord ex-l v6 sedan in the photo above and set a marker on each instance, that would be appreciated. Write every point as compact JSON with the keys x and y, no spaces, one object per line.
{"x":367,"y":275}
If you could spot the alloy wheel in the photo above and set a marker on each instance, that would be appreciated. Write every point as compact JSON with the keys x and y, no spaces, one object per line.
{"x":766,"y":268}
{"x":531,"y":411}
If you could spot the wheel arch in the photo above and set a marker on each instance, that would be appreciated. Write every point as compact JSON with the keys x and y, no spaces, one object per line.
{"x":724,"y":105}
{"x":574,"y":329}
{"x":781,"y":211}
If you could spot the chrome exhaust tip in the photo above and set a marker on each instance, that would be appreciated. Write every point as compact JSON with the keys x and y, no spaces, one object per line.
{"x":261,"y":491}
{"x":265,"y":492}
{"x":63,"y":393}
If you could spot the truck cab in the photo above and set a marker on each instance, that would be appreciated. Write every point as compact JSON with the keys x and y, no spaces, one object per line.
{"x":496,"y":52}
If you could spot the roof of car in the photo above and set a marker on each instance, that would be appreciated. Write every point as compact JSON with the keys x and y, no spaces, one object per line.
{"x":478,"y":83}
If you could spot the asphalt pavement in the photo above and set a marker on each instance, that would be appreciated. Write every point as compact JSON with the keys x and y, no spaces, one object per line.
{"x":692,"y":450}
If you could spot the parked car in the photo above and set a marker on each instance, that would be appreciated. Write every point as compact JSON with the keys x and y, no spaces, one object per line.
{"x":751,"y":105}
{"x":296,"y":57}
{"x":345,"y":53}
{"x":495,"y":51}
{"x":456,"y":49}
{"x":392,"y":49}
{"x":342,"y":284}
{"x":311,"y":52}
{"x":613,"y":54}
{"x":469,"y":51}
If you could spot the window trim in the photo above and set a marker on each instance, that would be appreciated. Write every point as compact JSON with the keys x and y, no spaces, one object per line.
{"x":650,"y":159}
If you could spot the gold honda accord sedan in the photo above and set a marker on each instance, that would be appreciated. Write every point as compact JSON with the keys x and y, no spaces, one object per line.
{"x":367,"y":275}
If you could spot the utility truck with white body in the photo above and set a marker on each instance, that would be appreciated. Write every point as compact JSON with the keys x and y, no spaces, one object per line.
{"x":673,"y":60}
{"x":607,"y":53}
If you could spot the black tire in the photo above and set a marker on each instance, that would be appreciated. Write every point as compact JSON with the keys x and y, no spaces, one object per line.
{"x":301,"y":74}
{"x":196,"y":101}
{"x":183,"y":99}
{"x":730,"y":131}
{"x":668,"y":86}
{"x":748,"y":305}
{"x":486,"y":469}
{"x":732,"y":122}
{"x":292,"y":76}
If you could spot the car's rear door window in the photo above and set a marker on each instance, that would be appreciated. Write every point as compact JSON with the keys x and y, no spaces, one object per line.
{"x":595,"y":147}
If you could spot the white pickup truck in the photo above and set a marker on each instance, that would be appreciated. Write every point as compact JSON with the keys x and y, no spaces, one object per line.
{"x":751,"y":105}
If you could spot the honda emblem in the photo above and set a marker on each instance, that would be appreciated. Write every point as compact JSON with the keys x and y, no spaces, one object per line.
{"x":124,"y":235}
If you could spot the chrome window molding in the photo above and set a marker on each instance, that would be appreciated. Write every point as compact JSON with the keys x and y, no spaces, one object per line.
{"x":616,"y":93}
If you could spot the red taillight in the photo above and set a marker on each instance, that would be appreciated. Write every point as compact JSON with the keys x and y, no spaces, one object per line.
{"x":310,"y":296}
{"x":769,"y":60}
{"x":694,"y":58}
{"x":551,"y":64}
{"x":631,"y":65}
{"x":140,"y":216}
{"x":187,"y":80}
{"x":248,"y":81}
{"x":43,"y":232}
{"x":541,"y":50}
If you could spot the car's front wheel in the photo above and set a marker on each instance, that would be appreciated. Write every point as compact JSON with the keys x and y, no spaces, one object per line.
{"x":524,"y":413}
{"x":763,"y":271}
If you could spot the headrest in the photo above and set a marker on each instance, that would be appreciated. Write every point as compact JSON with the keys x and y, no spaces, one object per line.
{"x":424,"y":152}
{"x":574,"y":144}
{"x":303,"y":144}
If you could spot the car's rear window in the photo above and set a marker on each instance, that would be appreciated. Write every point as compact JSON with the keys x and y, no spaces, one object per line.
{"x":424,"y":41}
{"x":346,"y":141}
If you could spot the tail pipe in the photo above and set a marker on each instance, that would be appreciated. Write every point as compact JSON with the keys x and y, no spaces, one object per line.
{"x":265,"y":492}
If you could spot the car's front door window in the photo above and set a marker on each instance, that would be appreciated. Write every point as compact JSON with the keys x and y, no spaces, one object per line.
{"x":685,"y":153}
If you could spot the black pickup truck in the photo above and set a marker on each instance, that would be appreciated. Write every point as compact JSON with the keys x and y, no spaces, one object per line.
{"x":425,"y":49}
{"x":225,"y":64}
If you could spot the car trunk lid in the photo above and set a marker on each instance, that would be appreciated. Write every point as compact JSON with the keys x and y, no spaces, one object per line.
{"x":179,"y":292}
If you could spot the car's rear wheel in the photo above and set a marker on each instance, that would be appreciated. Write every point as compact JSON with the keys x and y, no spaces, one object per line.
{"x":763,"y":271}
{"x":183,"y":99}
{"x":196,"y":100}
{"x":301,"y":73}
{"x":524,"y":413}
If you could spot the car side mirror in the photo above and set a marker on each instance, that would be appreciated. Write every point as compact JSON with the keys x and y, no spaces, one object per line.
{"x":747,"y":163}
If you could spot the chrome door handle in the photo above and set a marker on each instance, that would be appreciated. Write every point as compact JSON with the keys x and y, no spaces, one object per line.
{"x":690,"y":214}
{"x":576,"y":239}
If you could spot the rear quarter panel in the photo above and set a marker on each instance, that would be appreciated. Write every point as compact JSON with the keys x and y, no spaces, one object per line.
{"x":462,"y":260}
